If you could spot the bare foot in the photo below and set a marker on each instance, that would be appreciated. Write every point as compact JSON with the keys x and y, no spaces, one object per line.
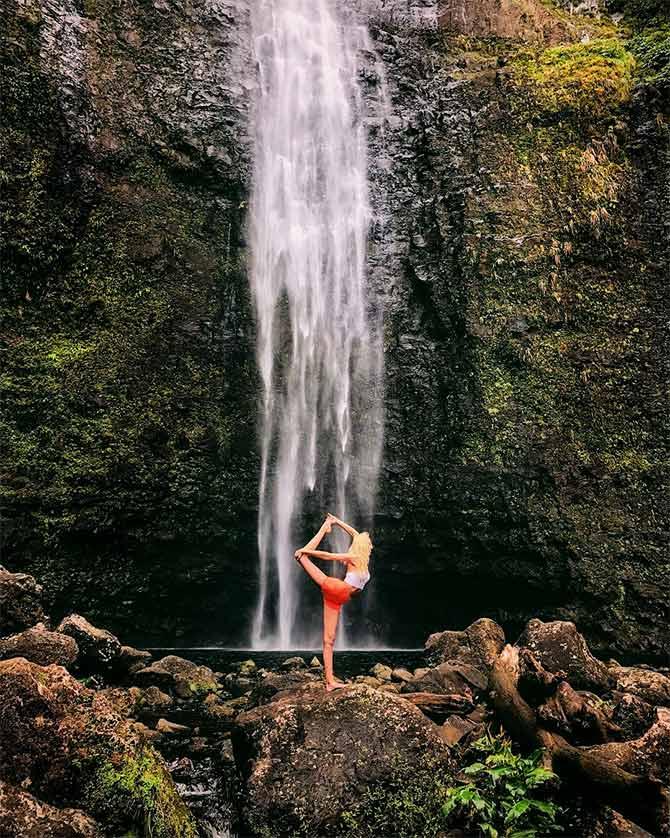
{"x":335,"y":685}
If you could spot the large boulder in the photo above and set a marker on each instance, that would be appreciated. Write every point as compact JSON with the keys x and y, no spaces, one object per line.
{"x":183,"y":677}
{"x":23,"y":816}
{"x":478,"y":645}
{"x":41,"y":646}
{"x":450,"y":677}
{"x":647,"y":755}
{"x":98,"y":648}
{"x":278,"y":682}
{"x":310,"y":754}
{"x":20,"y":602}
{"x":72,"y":747}
{"x":646,"y":684}
{"x":561,"y":648}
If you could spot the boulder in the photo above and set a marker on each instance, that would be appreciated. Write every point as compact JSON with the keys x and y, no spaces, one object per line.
{"x":649,"y":755}
{"x":276,"y":682}
{"x":479,"y":645}
{"x":316,"y":663}
{"x":455,"y":728}
{"x":450,"y":677}
{"x":310,"y":754}
{"x":295,"y":662}
{"x":183,"y":677}
{"x":23,"y":816}
{"x":633,"y":715}
{"x":238,"y":684}
{"x":69,"y":744}
{"x":381,"y":671}
{"x":20,"y":602}
{"x":561,"y":648}
{"x":131,"y":660}
{"x":247,"y":668}
{"x":401,"y":675}
{"x":169,"y":728}
{"x":41,"y":646}
{"x":646,"y":684}
{"x":98,"y":648}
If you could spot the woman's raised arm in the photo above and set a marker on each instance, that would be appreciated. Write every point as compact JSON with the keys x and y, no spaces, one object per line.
{"x":346,"y":527}
{"x":345,"y":558}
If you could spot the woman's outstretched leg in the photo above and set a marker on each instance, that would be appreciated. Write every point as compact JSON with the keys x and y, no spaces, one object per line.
{"x":330,"y":617}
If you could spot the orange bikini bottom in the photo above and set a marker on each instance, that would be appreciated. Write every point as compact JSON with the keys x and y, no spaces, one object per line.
{"x":335,"y":592}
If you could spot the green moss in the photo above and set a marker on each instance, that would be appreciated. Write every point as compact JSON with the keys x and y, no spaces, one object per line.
{"x":590,"y":79}
{"x":138,"y":788}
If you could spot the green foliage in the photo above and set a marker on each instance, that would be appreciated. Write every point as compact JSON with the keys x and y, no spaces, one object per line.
{"x":651,"y":47}
{"x":584,"y":80}
{"x":500,"y":795}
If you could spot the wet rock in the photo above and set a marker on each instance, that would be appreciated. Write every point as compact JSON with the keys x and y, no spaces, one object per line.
{"x":647,"y":684}
{"x":370,"y":680}
{"x":633,"y":715}
{"x":131,"y":660}
{"x":41,"y":646}
{"x":316,"y":663}
{"x":295,"y":662}
{"x":237,"y":684}
{"x":448,"y":677}
{"x":277,"y":682}
{"x":171,"y":728}
{"x":309,"y":754}
{"x":390,"y":687}
{"x":401,"y":675}
{"x":23,"y":816}
{"x":247,"y":668}
{"x":478,"y":645}
{"x":381,"y":671}
{"x":455,"y":728}
{"x":183,"y":677}
{"x":70,"y":743}
{"x":620,"y":827}
{"x":420,"y":671}
{"x":20,"y":602}
{"x":561,"y":648}
{"x":98,"y":648}
{"x":528,"y":21}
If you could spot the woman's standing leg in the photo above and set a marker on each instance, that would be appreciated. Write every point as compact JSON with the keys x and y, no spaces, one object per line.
{"x":330,"y":617}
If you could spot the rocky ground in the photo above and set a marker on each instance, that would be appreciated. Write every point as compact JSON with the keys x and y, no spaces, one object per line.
{"x":98,"y":739}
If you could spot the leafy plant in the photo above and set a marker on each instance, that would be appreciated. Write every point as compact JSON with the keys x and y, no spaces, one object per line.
{"x":501,"y":793}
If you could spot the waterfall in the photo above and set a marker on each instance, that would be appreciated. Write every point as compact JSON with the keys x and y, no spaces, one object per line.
{"x":318,"y":325}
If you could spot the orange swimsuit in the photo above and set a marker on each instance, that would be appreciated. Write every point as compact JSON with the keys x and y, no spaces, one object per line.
{"x":335,"y":592}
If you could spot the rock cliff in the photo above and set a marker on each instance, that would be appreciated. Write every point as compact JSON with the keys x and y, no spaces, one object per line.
{"x":522,"y":253}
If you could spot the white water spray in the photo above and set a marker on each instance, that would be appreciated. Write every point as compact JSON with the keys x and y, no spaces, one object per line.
{"x":318,"y":327}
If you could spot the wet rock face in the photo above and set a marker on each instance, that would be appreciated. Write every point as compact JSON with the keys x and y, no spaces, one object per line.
{"x":308,"y":754}
{"x":527,"y":20}
{"x":519,"y":248}
{"x":20,"y":602}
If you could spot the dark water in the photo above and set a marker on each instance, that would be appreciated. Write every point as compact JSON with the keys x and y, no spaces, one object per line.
{"x":346,"y":663}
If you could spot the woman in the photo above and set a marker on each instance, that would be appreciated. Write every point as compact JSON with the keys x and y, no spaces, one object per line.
{"x":336,"y":591}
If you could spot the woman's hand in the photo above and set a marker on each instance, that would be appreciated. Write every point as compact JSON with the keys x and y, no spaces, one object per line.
{"x":297,"y":554}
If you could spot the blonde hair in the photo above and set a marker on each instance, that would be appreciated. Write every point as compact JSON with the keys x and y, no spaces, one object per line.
{"x":361,"y":547}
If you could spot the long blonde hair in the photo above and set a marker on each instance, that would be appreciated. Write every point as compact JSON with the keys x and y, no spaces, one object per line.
{"x":361,"y":547}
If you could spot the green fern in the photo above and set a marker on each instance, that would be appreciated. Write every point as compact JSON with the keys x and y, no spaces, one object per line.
{"x":501,"y":794}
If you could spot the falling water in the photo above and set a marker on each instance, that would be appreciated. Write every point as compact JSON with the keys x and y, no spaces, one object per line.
{"x":318,"y":326}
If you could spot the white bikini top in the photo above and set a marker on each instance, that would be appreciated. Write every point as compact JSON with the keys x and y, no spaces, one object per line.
{"x":357,"y":579}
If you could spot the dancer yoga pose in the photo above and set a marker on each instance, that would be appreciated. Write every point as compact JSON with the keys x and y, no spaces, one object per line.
{"x":336,"y":591}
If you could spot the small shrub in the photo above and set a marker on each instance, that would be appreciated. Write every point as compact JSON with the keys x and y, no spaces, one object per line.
{"x":501,"y":793}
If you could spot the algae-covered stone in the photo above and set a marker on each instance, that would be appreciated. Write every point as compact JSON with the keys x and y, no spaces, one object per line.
{"x":71,"y":744}
{"x":185,"y":678}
